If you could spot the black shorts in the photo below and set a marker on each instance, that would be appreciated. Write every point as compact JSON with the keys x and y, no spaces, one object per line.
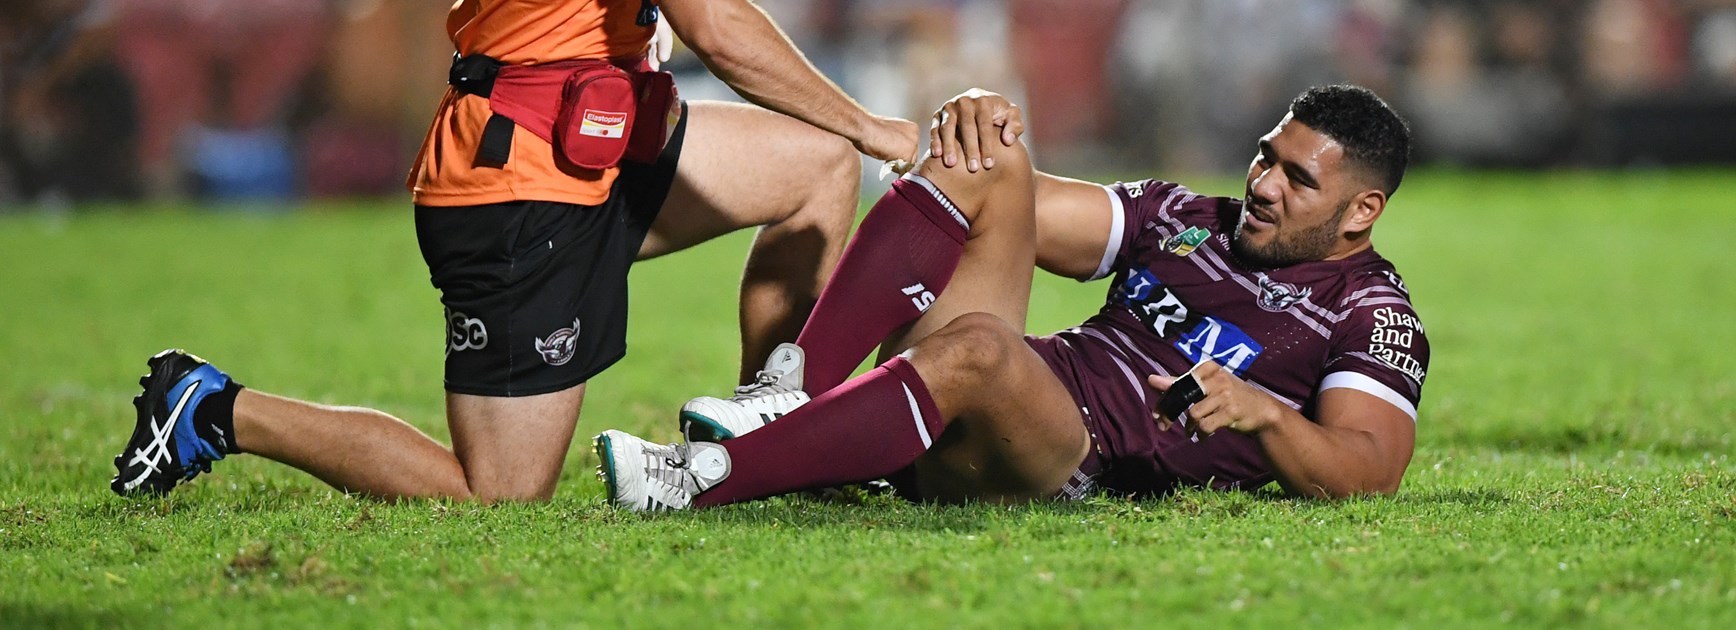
{"x":536,"y":291}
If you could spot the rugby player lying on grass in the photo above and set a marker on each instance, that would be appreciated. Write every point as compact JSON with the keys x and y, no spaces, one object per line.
{"x":1301,"y":336}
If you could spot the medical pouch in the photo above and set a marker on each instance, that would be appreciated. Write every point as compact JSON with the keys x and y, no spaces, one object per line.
{"x":659,"y":110}
{"x":596,"y":116}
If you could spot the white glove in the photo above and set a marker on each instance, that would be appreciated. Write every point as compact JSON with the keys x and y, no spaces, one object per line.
{"x":662,"y":43}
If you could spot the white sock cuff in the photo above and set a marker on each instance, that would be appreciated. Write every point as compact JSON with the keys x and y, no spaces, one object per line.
{"x":940,"y":197}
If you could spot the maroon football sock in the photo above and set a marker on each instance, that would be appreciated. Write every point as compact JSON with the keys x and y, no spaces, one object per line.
{"x":898,"y":262}
{"x":868,"y":428}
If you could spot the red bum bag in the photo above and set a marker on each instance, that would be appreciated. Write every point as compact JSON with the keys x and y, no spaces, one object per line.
{"x":589,"y":109}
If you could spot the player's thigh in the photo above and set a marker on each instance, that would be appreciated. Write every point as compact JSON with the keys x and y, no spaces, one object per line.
{"x":513,"y":448}
{"x":743,"y":166}
{"x":1019,"y":436}
{"x":994,"y":273}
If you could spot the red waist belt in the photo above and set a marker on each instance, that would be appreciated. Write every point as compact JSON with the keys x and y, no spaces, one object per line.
{"x":588,"y":109}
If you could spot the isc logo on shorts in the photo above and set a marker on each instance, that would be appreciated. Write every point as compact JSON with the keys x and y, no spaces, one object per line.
{"x":603,"y":124}
{"x":464,"y":332}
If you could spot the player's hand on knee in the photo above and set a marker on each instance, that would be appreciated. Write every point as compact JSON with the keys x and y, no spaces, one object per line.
{"x":958,"y":128}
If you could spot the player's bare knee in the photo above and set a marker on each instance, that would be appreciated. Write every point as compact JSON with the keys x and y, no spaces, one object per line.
{"x":974,"y":192}
{"x":974,"y":347}
{"x":1010,"y":163}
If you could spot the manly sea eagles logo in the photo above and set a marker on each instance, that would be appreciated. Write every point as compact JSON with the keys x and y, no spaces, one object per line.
{"x":560,"y":345}
{"x":1276,"y":296}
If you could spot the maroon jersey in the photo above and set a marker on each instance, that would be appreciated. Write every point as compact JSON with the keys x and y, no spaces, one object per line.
{"x":1180,"y":296}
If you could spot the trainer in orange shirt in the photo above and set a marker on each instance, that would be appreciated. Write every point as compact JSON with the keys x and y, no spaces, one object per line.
{"x":531,"y":252}
{"x":519,"y":33}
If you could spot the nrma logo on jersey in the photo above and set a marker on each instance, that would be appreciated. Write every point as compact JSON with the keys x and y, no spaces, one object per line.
{"x":1196,"y":334}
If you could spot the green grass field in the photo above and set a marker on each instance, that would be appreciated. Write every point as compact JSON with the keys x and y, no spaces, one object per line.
{"x":1573,"y":463}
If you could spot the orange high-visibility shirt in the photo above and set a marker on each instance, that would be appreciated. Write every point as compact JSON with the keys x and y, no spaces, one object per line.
{"x":519,"y":32}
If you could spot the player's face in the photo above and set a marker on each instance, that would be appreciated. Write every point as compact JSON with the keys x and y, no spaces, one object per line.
{"x":1296,"y":197}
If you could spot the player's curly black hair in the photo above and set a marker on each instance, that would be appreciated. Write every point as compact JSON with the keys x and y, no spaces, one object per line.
{"x":1372,"y":134}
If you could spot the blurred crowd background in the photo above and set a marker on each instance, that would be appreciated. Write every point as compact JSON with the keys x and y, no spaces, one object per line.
{"x":169,"y":100}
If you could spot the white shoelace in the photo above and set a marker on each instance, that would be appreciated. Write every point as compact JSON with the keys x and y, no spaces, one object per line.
{"x":765,"y":382}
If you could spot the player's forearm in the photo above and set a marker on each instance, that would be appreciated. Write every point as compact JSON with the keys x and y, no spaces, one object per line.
{"x":1324,"y":462}
{"x":741,"y":45}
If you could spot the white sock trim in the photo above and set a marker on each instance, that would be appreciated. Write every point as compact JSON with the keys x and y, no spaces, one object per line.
{"x":916,"y":412}
{"x":941,"y":197}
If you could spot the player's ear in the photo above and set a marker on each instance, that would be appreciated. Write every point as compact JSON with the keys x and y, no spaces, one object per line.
{"x":1364,"y":209}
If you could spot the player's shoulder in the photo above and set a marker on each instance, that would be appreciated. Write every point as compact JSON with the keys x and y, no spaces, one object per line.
{"x":1162,"y":199}
{"x":1372,"y":271}
{"x":1373,"y":285}
{"x":1145,"y":190}
{"x":1378,"y":331}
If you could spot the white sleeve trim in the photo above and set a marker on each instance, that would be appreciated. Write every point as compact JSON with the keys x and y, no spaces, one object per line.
{"x":1363,"y":383}
{"x":1117,"y":226}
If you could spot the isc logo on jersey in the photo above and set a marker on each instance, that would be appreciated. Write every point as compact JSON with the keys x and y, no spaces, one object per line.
{"x":1196,"y":334}
{"x":603,"y":124}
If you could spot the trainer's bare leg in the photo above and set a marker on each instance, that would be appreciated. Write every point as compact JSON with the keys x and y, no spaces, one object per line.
{"x":802,"y":189}
{"x":513,"y":448}
{"x":1013,"y":432}
{"x":742,"y":166}
{"x":505,"y":448}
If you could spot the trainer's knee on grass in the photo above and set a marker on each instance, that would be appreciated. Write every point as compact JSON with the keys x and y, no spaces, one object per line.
{"x":513,"y":489}
{"x":500,"y":476}
{"x":513,"y":449}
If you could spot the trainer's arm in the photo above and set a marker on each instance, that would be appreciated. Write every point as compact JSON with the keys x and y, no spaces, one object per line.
{"x":741,"y":45}
{"x":1360,"y":444}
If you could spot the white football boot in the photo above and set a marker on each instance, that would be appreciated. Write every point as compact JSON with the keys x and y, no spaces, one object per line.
{"x":646,"y":477}
{"x":776,"y":390}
